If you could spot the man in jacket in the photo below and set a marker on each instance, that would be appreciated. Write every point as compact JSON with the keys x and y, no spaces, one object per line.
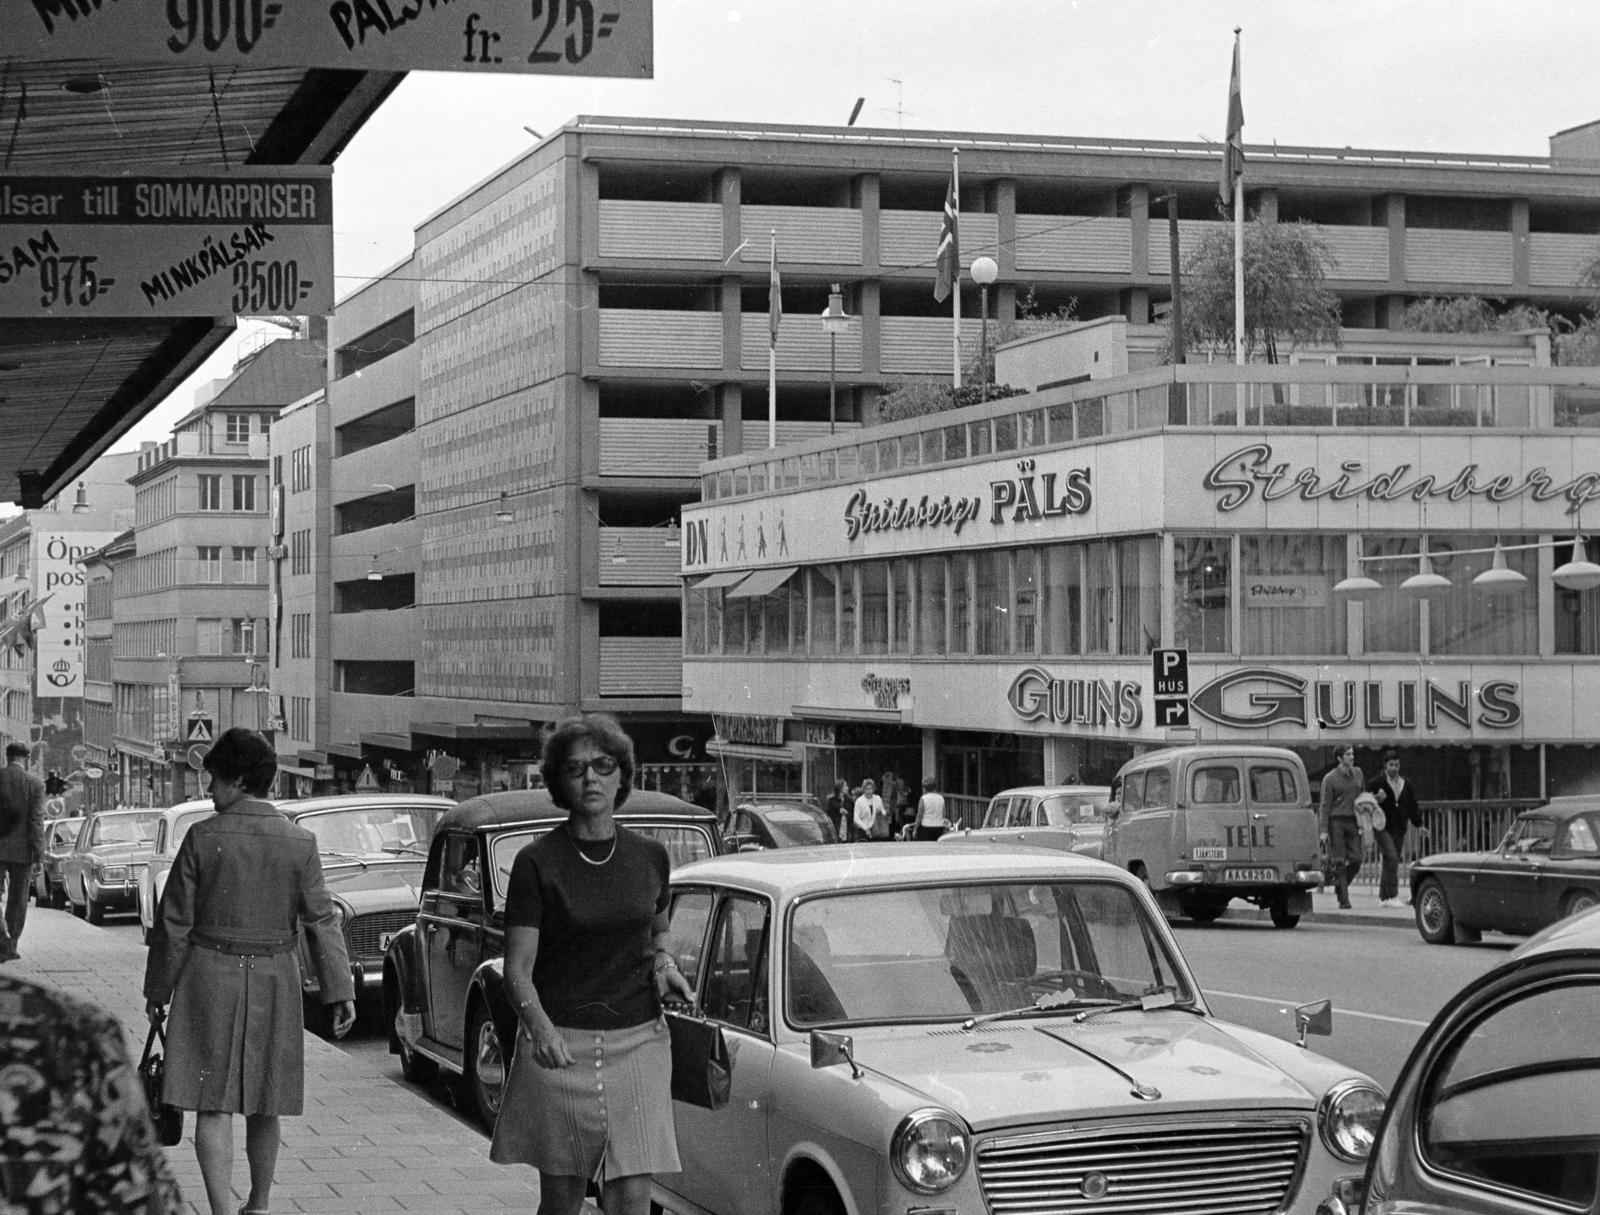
{"x":1397,"y":798}
{"x":1341,"y":834}
{"x":21,"y":841}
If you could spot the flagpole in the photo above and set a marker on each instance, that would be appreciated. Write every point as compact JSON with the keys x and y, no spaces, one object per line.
{"x":772,"y":361}
{"x":1238,"y":238}
{"x":955,"y":286}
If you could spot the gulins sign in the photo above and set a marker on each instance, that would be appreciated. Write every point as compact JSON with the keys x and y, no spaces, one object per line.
{"x":1253,"y":698}
{"x":1037,"y":695}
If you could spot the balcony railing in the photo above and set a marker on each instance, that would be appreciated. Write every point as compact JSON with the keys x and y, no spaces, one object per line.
{"x":1094,"y":244}
{"x":1440,"y":255}
{"x":1555,"y":259}
{"x":802,"y":345}
{"x":639,"y":556}
{"x":815,"y":235}
{"x":641,"y":666}
{"x":1359,"y":254}
{"x":911,"y":238}
{"x":920,"y":345}
{"x":660,"y":229}
{"x":656,"y":337}
{"x":1247,"y":398}
{"x":677,"y":447}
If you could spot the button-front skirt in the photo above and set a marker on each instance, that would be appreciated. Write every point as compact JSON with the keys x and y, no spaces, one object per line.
{"x":607,"y":1116}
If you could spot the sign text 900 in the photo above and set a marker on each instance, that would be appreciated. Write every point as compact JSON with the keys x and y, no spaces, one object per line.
{"x":263,"y":286}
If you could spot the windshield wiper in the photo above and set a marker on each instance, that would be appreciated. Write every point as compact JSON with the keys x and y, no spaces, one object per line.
{"x":1051,"y":1001}
{"x":346,"y":856}
{"x":1164,"y":998}
{"x":406,"y":848}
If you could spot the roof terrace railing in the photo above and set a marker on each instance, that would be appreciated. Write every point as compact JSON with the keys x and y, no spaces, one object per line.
{"x":1253,"y":397}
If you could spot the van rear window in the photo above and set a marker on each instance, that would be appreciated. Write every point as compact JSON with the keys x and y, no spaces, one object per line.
{"x":1272,"y":786}
{"x":1215,"y":786}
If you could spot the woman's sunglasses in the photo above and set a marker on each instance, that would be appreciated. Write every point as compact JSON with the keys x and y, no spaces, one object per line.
{"x":603,"y":765}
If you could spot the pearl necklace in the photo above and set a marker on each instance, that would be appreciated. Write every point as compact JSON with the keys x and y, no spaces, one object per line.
{"x":584,"y":856}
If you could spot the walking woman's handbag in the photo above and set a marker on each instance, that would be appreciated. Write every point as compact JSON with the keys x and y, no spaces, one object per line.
{"x":168,"y":1119}
{"x":702,"y":1068}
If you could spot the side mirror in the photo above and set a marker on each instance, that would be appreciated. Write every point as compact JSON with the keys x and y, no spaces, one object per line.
{"x":1113,"y":809}
{"x":749,"y":846}
{"x":830,"y":1049}
{"x":1316,"y":1018}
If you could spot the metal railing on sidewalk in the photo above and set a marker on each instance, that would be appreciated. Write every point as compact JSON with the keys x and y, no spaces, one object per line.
{"x":1449,"y":826}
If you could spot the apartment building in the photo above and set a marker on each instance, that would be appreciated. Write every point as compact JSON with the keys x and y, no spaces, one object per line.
{"x":191,"y":635}
{"x":516,"y":416}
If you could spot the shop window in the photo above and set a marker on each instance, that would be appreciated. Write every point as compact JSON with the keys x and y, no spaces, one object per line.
{"x":847,"y":609}
{"x":930,"y":605}
{"x":1286,"y":587}
{"x":1577,"y":612}
{"x":961,"y":603}
{"x":694,"y":621}
{"x":1392,"y":620}
{"x":713,"y":602}
{"x":990,"y":598}
{"x":774,"y":608}
{"x":1202,"y":612}
{"x":824,"y":608}
{"x":1469,"y":620}
{"x":900,"y":607}
{"x":1139,"y":598}
{"x":1099,"y":616}
{"x":874,"y":577}
{"x":733,"y":625}
{"x":796,"y":588}
{"x":1025,"y":601}
{"x":1061,"y":610}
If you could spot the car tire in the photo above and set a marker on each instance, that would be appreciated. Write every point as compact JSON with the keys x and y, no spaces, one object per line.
{"x":1282,"y":917}
{"x":76,"y":907}
{"x":417,"y":1069}
{"x":1200,"y":909}
{"x":93,"y":909}
{"x":818,"y":1200}
{"x":485,"y":1056}
{"x":1578,"y":901}
{"x":1435,"y":921}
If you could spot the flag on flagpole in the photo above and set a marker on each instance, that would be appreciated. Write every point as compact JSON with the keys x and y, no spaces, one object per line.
{"x":1233,"y":142}
{"x":774,"y":296}
{"x":949,"y":242}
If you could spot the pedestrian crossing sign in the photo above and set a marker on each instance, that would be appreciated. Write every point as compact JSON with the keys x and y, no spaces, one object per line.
{"x":367,"y":782}
{"x":199,"y":730}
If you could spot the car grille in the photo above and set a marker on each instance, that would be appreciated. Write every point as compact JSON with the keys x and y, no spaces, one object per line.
{"x":1190,"y":1168}
{"x":362,"y":934}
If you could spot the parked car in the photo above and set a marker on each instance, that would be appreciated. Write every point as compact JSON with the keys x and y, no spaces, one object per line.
{"x":753,"y":826}
{"x":172,"y":826}
{"x":1202,"y":826}
{"x":1546,"y":868}
{"x":59,"y":837}
{"x":1496,"y":1111}
{"x":1070,"y":818}
{"x":983,"y":1029}
{"x":443,"y":981}
{"x":373,"y":849}
{"x":101,"y":873}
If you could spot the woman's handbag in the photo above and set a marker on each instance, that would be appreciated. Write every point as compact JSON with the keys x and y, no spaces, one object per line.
{"x":168,"y":1119}
{"x":702,"y":1068}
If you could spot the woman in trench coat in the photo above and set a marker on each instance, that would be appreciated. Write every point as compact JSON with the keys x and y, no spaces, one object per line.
{"x":222,"y":954}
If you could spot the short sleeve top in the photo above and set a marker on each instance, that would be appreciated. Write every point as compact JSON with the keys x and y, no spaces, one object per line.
{"x":593,"y":905}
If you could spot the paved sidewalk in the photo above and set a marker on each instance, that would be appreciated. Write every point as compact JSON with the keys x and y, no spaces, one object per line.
{"x":365,"y":1143}
{"x":1364,"y":910}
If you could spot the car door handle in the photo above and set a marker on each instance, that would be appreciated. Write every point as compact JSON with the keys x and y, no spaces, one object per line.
{"x":431,"y":928}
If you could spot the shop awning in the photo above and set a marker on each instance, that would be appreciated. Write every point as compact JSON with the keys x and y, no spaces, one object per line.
{"x":389,"y":742}
{"x":469,"y":731}
{"x":726,"y":578}
{"x":345,"y":750}
{"x":777,"y":755}
{"x":763,"y":582}
{"x":828,"y":713}
{"x":306,"y":773}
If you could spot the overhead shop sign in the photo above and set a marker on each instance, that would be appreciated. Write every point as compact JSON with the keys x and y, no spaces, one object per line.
{"x":543,"y":37}
{"x":250,"y":241}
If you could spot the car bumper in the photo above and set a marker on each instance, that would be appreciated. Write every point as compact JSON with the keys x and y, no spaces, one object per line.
{"x":366,"y":975}
{"x":114,"y":894}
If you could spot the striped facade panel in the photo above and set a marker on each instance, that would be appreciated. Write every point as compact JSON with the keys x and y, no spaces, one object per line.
{"x":1443,"y":255}
{"x":505,"y":651}
{"x":802,"y":345}
{"x":911,"y":238}
{"x":657,"y":447}
{"x":658,"y":337}
{"x":920,"y":345}
{"x":469,"y":557}
{"x":816,"y":235}
{"x":1359,"y":254}
{"x":1190,"y":233}
{"x":508,"y":345}
{"x":1556,"y":259}
{"x":509,"y":445}
{"x":641,"y":666}
{"x":639,"y":556}
{"x":629,"y":228}
{"x":1093,"y":244}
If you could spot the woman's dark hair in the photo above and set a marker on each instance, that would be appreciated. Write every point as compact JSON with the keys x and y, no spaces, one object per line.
{"x":604,"y":732}
{"x":1391,"y":753}
{"x":244,"y":756}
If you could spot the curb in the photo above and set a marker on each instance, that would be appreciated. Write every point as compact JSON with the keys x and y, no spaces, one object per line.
{"x":1361,"y":919}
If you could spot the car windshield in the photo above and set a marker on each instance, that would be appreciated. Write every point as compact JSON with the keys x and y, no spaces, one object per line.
{"x":125,"y":829}
{"x":683,"y":844}
{"x":1076,"y":809}
{"x":180,"y":827}
{"x":373,"y":833}
{"x":794,"y":827}
{"x":959,"y":951}
{"x":64,"y":832}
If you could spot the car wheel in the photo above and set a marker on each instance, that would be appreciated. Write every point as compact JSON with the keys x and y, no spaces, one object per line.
{"x":417,"y":1069}
{"x":1435,"y":921}
{"x":484,"y":1081}
{"x":1202,"y":909}
{"x":76,"y":907}
{"x":818,"y":1201}
{"x":57,"y":898}
{"x":1578,"y":901}
{"x":1282,"y":917}
{"x":93,"y":909}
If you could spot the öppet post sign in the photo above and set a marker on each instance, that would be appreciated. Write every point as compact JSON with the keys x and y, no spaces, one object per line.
{"x":559,"y":37}
{"x":246,"y":241}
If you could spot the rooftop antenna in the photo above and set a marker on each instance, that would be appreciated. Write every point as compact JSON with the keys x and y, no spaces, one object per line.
{"x":899,"y":109}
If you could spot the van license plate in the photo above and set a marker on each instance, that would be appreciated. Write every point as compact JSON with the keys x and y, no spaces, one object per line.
{"x":1250,"y":875}
{"x":1210,"y":854}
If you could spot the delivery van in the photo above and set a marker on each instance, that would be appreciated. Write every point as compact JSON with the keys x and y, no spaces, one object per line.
{"x":1203,"y":826}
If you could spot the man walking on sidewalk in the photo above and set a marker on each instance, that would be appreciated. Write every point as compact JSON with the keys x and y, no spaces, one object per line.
{"x":1398,"y":801}
{"x":21,"y":841}
{"x":1341,"y":835}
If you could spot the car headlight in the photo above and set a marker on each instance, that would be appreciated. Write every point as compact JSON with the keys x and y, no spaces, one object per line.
{"x":341,"y":915}
{"x":112,"y":873}
{"x":930,"y":1150}
{"x":1348,"y":1117}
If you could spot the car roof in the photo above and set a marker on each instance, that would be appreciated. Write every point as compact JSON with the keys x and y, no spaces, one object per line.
{"x":535,"y":805}
{"x":764,"y":807}
{"x":132,"y":810}
{"x":1565,"y":807}
{"x":1048,"y":790}
{"x":1213,"y":751}
{"x":1580,"y":932}
{"x":204,"y":803}
{"x":832,"y":867}
{"x":294,"y":807}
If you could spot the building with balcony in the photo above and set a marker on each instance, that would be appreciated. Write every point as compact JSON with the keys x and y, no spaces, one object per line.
{"x":44,"y":696}
{"x":191,"y":607}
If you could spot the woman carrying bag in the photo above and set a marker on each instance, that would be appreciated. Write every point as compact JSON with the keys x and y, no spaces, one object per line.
{"x":222,"y":953}
{"x":589,"y":1096}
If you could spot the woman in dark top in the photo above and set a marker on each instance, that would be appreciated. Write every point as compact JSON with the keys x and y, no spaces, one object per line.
{"x":586,"y":969}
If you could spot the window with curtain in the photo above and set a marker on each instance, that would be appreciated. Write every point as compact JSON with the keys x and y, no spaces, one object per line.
{"x":1099,"y":602}
{"x":713,"y":601}
{"x":847,"y":609}
{"x":774,"y":607}
{"x":990,"y":599}
{"x":930,"y":605}
{"x":1202,"y":615}
{"x":961,"y":603}
{"x":1061,"y":604}
{"x":733,"y":625}
{"x":1139,"y":599}
{"x":874,"y":577}
{"x":824,"y":590}
{"x":1286,"y":587}
{"x":1025,"y":601}
{"x":900,"y":590}
{"x":1469,"y":620}
{"x":1392,"y":620}
{"x":797,"y":613}
{"x":694,"y":621}
{"x":1577,"y":612}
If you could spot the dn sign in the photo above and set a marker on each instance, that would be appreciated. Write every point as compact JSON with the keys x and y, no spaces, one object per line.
{"x":1169,"y":676}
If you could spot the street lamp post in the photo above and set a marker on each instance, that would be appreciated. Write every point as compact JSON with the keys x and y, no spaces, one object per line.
{"x":984,"y":271}
{"x":834,"y":322}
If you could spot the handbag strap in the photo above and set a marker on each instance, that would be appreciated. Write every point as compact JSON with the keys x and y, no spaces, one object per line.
{"x":155,"y":1035}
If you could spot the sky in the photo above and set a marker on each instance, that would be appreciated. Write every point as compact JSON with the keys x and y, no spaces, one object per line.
{"x":1416,"y":75}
